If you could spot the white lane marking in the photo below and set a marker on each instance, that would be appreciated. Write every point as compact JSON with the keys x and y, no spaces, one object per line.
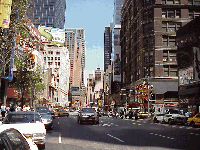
{"x":172,"y":138}
{"x":58,"y":122}
{"x":116,"y":125}
{"x":160,"y":135}
{"x":189,"y":128}
{"x":134,"y":123}
{"x":163,"y":136}
{"x":156,"y":134}
{"x":180,"y":127}
{"x":59,"y":139}
{"x":151,"y":133}
{"x":139,"y":124}
{"x":115,"y":138}
{"x":168,"y":137}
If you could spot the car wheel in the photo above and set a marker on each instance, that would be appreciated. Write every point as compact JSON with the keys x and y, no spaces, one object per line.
{"x":193,"y":124}
{"x":79,"y":121}
{"x":155,"y":120}
{"x":170,"y":121}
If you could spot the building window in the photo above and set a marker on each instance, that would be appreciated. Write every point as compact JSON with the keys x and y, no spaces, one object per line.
{"x":194,"y":13}
{"x":58,"y":58}
{"x":55,"y":58}
{"x":169,"y":41}
{"x":170,"y":26}
{"x":170,"y":70}
{"x":170,"y":2}
{"x":169,"y":55}
{"x":57,"y":53}
{"x":171,"y":13}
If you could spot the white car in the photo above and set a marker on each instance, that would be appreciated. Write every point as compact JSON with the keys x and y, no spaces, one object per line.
{"x":29,"y":123}
{"x":12,"y":139}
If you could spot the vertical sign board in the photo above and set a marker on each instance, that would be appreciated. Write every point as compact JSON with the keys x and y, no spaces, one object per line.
{"x":196,"y":63}
{"x":5,"y":11}
{"x":186,"y":76}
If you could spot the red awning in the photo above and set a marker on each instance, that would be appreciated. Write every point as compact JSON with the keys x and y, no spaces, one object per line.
{"x":15,"y":93}
{"x":12,"y":93}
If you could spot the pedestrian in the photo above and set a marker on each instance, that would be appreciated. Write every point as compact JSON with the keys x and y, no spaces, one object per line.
{"x":136,"y":115}
{"x":3,"y":110}
{"x":12,"y":108}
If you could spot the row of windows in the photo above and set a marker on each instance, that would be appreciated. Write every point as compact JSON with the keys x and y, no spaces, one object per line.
{"x":51,"y":58}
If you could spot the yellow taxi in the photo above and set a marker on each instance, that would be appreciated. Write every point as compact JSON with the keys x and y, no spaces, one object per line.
{"x":194,"y":121}
{"x":143,"y":115}
{"x":61,"y":113}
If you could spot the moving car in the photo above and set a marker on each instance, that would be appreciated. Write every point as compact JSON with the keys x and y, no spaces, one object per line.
{"x":61,"y":113}
{"x":52,"y":113}
{"x":47,"y":119}
{"x":29,"y":123}
{"x":88,"y":115}
{"x":13,"y":139}
{"x":42,"y":109}
{"x":194,"y":121}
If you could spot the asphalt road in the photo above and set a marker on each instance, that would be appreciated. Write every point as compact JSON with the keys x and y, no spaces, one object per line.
{"x":119,"y":134}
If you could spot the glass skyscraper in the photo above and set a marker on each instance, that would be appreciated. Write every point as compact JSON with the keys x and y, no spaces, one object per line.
{"x":49,"y":13}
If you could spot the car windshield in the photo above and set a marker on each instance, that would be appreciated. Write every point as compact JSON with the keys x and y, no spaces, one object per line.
{"x":46,"y":116}
{"x":174,"y":111}
{"x":43,"y":110}
{"x":88,"y":110}
{"x":21,"y":118}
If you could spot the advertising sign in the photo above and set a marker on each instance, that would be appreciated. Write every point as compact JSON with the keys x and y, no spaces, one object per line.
{"x":196,"y":63}
{"x":53,"y":36}
{"x":5,"y":11}
{"x":186,"y":76}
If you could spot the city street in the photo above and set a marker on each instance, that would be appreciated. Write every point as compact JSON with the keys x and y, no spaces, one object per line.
{"x":120,"y":134}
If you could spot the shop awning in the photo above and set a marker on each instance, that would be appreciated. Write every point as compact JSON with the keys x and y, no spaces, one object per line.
{"x":12,"y":93}
{"x":15,"y":93}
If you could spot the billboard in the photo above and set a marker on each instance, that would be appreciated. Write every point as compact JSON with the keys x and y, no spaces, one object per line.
{"x":196,"y":63}
{"x":52,"y":36}
{"x":186,"y":76}
{"x":5,"y":11}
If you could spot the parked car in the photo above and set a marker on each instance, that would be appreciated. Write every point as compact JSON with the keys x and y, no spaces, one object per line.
{"x":194,"y":121}
{"x":29,"y":123}
{"x":88,"y":115}
{"x":61,"y":113}
{"x":12,"y":139}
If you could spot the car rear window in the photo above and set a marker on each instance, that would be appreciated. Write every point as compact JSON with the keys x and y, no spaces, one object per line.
{"x":22,"y":118}
{"x":88,"y":110}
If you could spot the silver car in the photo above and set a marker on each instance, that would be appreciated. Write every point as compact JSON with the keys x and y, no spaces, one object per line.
{"x":88,"y":115}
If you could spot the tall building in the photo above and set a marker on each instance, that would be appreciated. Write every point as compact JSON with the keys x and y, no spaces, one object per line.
{"x":148,"y":45}
{"x":49,"y":13}
{"x":56,"y":59}
{"x":75,"y":42}
{"x":107,"y":46}
{"x":116,"y":50}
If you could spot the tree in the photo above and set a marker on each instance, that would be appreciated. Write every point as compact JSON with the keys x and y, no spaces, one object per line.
{"x":8,"y":35}
{"x":28,"y":76}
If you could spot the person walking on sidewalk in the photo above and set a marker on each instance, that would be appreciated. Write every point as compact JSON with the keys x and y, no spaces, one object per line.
{"x":3,"y":110}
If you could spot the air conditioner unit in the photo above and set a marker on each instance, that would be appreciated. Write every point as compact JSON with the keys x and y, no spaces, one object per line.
{"x":164,"y":59}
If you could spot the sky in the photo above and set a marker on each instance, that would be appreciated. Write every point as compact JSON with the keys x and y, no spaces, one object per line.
{"x":93,"y":16}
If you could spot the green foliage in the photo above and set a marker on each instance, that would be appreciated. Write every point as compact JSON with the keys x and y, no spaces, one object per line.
{"x":29,"y":77}
{"x":7,"y":36}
